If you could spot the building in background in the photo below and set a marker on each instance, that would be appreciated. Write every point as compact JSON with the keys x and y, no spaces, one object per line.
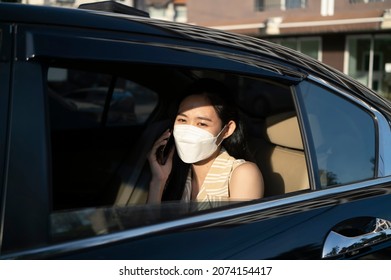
{"x":353,"y":36}
{"x":173,"y":10}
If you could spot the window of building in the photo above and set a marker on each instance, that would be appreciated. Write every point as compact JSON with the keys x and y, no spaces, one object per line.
{"x":65,"y":2}
{"x":364,"y":1}
{"x":258,"y":5}
{"x":343,"y":137}
{"x":180,"y":13}
{"x":168,"y":11}
{"x":159,"y":12}
{"x":327,"y":8}
{"x":294,"y":4}
{"x":309,"y":46}
{"x":263,"y":5}
{"x":369,"y":62}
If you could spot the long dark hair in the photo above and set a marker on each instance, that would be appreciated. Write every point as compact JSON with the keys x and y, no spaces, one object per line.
{"x":221,"y":98}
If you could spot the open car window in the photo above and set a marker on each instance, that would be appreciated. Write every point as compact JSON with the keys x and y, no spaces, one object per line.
{"x":94,"y":119}
{"x":103,"y":125}
{"x":86,"y":99}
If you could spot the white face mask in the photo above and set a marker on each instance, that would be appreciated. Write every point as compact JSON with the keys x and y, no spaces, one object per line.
{"x":194,"y":144}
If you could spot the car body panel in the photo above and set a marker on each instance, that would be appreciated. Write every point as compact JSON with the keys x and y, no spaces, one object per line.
{"x":30,"y":189}
{"x":250,"y":232}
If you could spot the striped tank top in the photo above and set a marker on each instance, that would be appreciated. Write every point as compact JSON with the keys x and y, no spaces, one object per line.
{"x":215,"y":187}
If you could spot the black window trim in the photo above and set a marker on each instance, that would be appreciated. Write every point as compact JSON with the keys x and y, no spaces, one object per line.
{"x":76,"y":45}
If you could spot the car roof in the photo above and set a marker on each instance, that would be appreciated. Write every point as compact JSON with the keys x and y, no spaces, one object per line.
{"x":33,"y":14}
{"x":93,"y":19}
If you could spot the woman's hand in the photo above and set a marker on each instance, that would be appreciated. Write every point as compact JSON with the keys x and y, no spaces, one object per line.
{"x":160,"y":172}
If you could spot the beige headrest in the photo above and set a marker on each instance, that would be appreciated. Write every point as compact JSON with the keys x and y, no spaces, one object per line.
{"x":283,"y":130}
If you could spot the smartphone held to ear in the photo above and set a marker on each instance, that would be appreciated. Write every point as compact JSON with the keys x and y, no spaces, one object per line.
{"x":163,"y":151}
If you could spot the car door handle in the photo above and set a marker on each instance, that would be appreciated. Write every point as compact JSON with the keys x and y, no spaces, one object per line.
{"x":338,"y":243}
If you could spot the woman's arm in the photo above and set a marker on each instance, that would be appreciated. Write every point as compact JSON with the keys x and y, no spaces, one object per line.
{"x":246,"y":182}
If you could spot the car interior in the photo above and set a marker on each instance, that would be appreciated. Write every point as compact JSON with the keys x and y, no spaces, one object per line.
{"x":104,"y":120}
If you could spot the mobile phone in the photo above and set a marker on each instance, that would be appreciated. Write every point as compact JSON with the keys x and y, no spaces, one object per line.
{"x":163,"y":151}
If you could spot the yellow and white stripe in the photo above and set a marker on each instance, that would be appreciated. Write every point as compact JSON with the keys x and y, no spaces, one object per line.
{"x":215,"y":187}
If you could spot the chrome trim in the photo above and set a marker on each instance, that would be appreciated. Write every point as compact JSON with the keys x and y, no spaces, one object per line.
{"x":384,"y":128}
{"x":212,"y":219}
{"x":337,"y":244}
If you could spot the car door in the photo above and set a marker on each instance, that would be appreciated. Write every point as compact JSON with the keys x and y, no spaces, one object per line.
{"x":344,"y":216}
{"x":44,"y":55}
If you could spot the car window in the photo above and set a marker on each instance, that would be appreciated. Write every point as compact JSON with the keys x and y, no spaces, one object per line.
{"x":88,"y":222}
{"x":97,"y":99}
{"x":343,"y":136}
{"x":94,"y":164}
{"x":94,"y":119}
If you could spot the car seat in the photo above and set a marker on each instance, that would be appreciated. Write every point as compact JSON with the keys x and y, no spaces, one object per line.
{"x":281,"y":157}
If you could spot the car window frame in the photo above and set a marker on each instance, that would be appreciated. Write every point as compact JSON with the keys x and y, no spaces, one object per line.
{"x":81,"y":45}
{"x":31,"y":190}
{"x":231,"y":205}
{"x":5,"y":70}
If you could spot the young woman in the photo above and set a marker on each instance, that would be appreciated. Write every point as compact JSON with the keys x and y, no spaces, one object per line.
{"x":210,"y":162}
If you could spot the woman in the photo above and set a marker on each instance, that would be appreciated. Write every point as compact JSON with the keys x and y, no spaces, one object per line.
{"x":209,"y":141}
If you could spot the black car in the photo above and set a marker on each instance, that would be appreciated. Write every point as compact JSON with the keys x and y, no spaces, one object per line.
{"x":74,"y":170}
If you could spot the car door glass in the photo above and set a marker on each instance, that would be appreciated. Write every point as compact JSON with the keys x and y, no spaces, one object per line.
{"x":88,"y":222}
{"x":343,"y":136}
{"x":94,"y":117}
{"x":84,"y":95}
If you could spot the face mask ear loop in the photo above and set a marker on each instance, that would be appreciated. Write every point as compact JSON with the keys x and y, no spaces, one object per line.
{"x":219,"y":135}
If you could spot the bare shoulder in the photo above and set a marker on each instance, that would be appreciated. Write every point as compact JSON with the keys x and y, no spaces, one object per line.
{"x":247,"y":168}
{"x":246,"y":181}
